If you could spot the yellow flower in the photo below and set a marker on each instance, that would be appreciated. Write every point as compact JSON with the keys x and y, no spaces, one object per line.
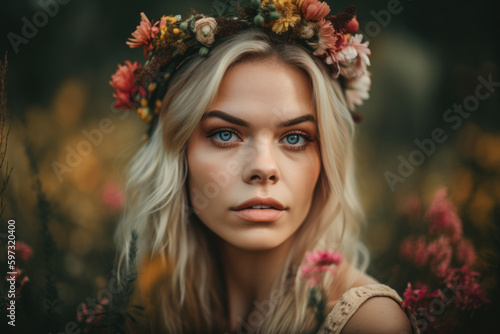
{"x":289,"y":11}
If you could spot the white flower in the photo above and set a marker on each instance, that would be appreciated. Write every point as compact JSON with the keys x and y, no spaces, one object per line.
{"x":357,"y":90}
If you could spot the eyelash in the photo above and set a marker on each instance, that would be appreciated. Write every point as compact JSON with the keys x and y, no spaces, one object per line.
{"x":307,"y":137}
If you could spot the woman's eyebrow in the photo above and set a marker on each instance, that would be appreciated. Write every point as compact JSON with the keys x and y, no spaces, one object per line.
{"x":238,"y":121}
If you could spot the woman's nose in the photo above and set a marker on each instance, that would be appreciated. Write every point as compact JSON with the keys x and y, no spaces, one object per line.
{"x":261,"y":162}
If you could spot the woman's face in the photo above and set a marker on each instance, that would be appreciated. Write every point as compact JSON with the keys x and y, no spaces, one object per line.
{"x":258,"y":139}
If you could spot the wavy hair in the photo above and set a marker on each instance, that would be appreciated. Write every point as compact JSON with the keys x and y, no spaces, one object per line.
{"x":189,"y":295}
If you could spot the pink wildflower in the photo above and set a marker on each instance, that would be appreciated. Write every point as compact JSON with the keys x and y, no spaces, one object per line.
{"x":440,"y":253}
{"x":415,"y":298}
{"x":23,"y":251}
{"x":91,"y":316}
{"x":112,"y":196}
{"x":319,"y":262}
{"x":443,"y":218}
{"x":462,"y":281}
{"x":327,"y":39}
{"x":415,"y":250}
{"x":143,"y":34}
{"x":314,"y":10}
{"x":465,"y":252}
{"x":125,"y":89}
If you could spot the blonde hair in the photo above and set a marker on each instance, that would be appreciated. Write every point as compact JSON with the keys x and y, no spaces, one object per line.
{"x":157,"y":206}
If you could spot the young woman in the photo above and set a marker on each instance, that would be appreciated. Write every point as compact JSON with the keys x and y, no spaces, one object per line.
{"x":249,"y":167}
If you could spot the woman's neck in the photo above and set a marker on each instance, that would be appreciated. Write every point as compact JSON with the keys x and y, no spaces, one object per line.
{"x":249,"y":276}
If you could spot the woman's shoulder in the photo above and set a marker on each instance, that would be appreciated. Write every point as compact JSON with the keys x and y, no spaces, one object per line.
{"x":367,"y":306}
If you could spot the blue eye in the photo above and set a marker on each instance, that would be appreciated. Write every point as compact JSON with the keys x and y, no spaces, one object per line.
{"x":294,"y":138}
{"x":296,"y":141}
{"x":224,"y":135}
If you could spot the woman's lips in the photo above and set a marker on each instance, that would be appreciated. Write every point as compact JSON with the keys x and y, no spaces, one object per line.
{"x":260,"y":215}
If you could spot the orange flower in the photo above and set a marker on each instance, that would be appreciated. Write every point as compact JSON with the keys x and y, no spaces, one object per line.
{"x":143,"y":34}
{"x":314,"y":10}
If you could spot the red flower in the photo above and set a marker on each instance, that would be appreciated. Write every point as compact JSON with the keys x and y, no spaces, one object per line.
{"x":443,"y":218}
{"x":112,"y":196}
{"x":319,"y":262}
{"x":353,"y":25}
{"x":143,"y":34}
{"x":23,"y":251}
{"x":314,"y":10}
{"x":125,"y":89}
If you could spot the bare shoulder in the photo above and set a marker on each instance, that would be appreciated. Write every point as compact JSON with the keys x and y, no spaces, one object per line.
{"x":378,"y":315}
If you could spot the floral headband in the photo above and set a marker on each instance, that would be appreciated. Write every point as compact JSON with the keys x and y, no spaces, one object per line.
{"x":172,"y":40}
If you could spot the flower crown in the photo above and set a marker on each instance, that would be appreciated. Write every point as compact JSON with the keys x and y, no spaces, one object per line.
{"x":168,"y":43}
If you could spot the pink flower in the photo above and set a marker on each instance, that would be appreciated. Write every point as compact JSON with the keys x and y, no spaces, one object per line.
{"x":112,"y":196}
{"x":440,"y":253}
{"x":357,"y":90}
{"x":319,"y":262}
{"x":418,"y":298}
{"x":351,"y":60}
{"x":410,"y":206}
{"x":23,"y":251}
{"x":314,"y":10}
{"x":205,"y":30}
{"x":92,"y":314}
{"x":443,"y":218}
{"x":463,"y":282}
{"x":415,"y":250}
{"x":327,"y":38}
{"x":125,"y":89}
{"x":143,"y":34}
{"x":465,"y":252}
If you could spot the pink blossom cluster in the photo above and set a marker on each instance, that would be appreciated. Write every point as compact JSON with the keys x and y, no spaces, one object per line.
{"x":319,"y":262}
{"x":442,"y":217}
{"x":445,"y":244}
{"x":91,"y":316}
{"x":449,"y":256}
{"x":458,"y":289}
{"x":470,"y":295}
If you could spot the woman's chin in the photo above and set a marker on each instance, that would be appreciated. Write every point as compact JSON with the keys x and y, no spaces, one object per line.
{"x":257,"y":240}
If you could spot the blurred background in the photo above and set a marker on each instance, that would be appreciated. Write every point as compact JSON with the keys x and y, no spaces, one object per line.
{"x":428,"y":58}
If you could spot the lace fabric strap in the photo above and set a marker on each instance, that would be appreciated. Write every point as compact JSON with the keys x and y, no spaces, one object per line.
{"x":350,"y":303}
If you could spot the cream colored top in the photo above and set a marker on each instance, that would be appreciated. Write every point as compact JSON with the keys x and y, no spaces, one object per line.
{"x":350,"y":302}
